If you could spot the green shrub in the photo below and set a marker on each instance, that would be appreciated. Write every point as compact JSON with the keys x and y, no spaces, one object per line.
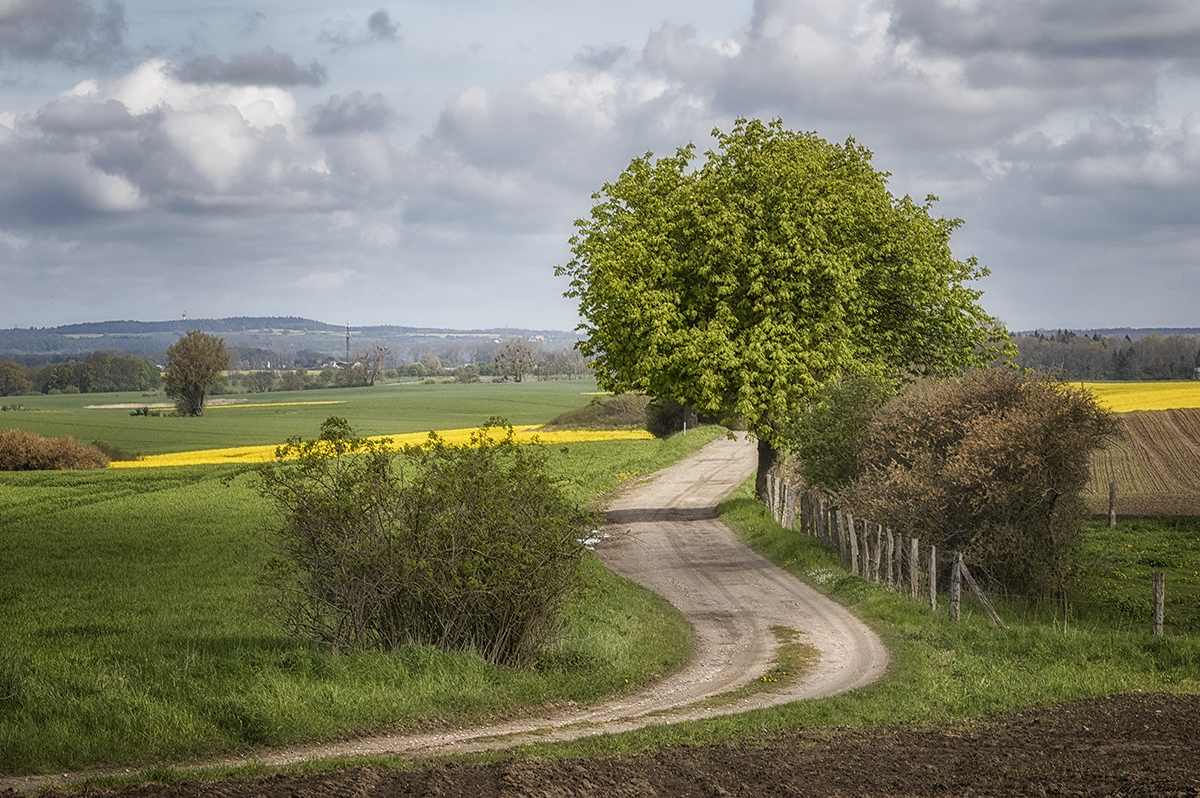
{"x":25,"y":451}
{"x":471,"y":548}
{"x":617,"y":412}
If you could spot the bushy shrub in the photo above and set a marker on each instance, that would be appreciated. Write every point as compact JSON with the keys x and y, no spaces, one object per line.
{"x":467,"y":548}
{"x":25,"y":451}
{"x":827,"y":436}
{"x":992,"y":465}
{"x":616,"y":412}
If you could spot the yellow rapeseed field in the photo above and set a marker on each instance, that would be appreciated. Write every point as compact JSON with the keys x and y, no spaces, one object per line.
{"x":458,"y":437}
{"x":1124,"y":397}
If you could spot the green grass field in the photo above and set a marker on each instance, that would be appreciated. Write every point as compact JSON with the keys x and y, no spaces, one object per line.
{"x":272,"y":418}
{"x":129,"y":637}
{"x":128,"y":633}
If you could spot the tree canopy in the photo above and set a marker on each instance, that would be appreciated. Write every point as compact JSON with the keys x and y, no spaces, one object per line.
{"x":194,"y":363}
{"x":780,"y":264}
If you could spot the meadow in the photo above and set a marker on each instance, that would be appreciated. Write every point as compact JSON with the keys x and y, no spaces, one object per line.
{"x":270,"y":419}
{"x":128,"y":621}
{"x":130,"y":636}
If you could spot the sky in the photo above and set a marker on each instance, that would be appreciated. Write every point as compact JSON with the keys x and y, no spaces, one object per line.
{"x":422,"y":163}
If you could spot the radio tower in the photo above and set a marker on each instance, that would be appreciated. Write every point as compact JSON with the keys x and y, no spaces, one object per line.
{"x":347,"y":342}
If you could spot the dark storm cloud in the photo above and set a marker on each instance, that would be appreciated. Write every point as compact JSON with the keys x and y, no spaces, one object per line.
{"x":352,"y":114}
{"x":68,"y":31}
{"x":263,"y":68}
{"x":1123,"y":29}
{"x":1109,"y":182}
{"x":72,"y":118}
{"x":381,"y":27}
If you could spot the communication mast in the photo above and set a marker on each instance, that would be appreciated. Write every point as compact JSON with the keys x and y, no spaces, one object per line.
{"x":347,"y":342}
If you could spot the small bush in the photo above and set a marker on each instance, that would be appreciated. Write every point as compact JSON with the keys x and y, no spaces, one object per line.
{"x":471,"y":548}
{"x":618,"y":412}
{"x":24,"y":451}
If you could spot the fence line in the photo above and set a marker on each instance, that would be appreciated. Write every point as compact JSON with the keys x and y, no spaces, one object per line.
{"x":851,"y":540}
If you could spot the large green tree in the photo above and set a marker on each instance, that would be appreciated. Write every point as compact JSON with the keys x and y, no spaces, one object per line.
{"x":194,"y":364}
{"x":13,"y":381}
{"x":780,"y":264}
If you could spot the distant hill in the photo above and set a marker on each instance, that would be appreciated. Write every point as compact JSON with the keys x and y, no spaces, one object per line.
{"x":283,"y":334}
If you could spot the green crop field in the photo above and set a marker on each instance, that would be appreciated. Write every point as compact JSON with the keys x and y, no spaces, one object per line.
{"x":128,"y":629}
{"x":258,"y":419}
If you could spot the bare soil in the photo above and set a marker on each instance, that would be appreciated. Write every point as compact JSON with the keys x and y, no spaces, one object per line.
{"x":1154,"y":466}
{"x":1126,"y":745}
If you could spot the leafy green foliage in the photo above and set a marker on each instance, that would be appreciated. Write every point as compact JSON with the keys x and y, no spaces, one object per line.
{"x":194,"y":366}
{"x":13,"y":381}
{"x":826,"y":438}
{"x":782,"y":263}
{"x":471,"y":548}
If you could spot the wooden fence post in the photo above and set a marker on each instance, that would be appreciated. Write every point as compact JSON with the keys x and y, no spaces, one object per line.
{"x":933,"y":578}
{"x":1112,"y":505}
{"x":853,"y":543}
{"x":868,"y":555}
{"x":1160,"y":598}
{"x":891,"y":557}
{"x":789,"y":507}
{"x":955,"y":586}
{"x":841,"y":535}
{"x":914,"y":555}
{"x":878,"y":553}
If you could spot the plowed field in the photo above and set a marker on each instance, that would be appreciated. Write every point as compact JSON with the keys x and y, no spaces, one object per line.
{"x":1139,"y":744}
{"x":1156,"y":467}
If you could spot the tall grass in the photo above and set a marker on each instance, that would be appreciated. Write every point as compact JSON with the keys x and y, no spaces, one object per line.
{"x":130,"y":636}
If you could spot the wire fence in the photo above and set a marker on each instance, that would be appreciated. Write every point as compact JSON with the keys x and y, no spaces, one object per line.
{"x":875,"y":553}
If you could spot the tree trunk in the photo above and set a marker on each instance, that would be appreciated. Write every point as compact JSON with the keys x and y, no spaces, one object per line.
{"x":768,"y":456}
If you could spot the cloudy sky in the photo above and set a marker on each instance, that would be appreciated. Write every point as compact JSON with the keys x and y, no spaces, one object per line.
{"x":420,"y":163}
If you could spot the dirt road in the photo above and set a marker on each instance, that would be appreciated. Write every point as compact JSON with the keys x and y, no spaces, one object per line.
{"x":663,"y":533}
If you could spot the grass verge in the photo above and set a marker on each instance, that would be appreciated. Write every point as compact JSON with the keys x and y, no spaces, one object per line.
{"x":129,"y":635}
{"x":941,"y":671}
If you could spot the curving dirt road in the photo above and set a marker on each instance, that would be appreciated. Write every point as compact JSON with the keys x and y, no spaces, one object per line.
{"x":664,"y":534}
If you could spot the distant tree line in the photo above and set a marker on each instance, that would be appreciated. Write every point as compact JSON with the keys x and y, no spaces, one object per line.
{"x":1099,"y":357}
{"x":516,"y":360}
{"x":103,"y":371}
{"x":256,"y":370}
